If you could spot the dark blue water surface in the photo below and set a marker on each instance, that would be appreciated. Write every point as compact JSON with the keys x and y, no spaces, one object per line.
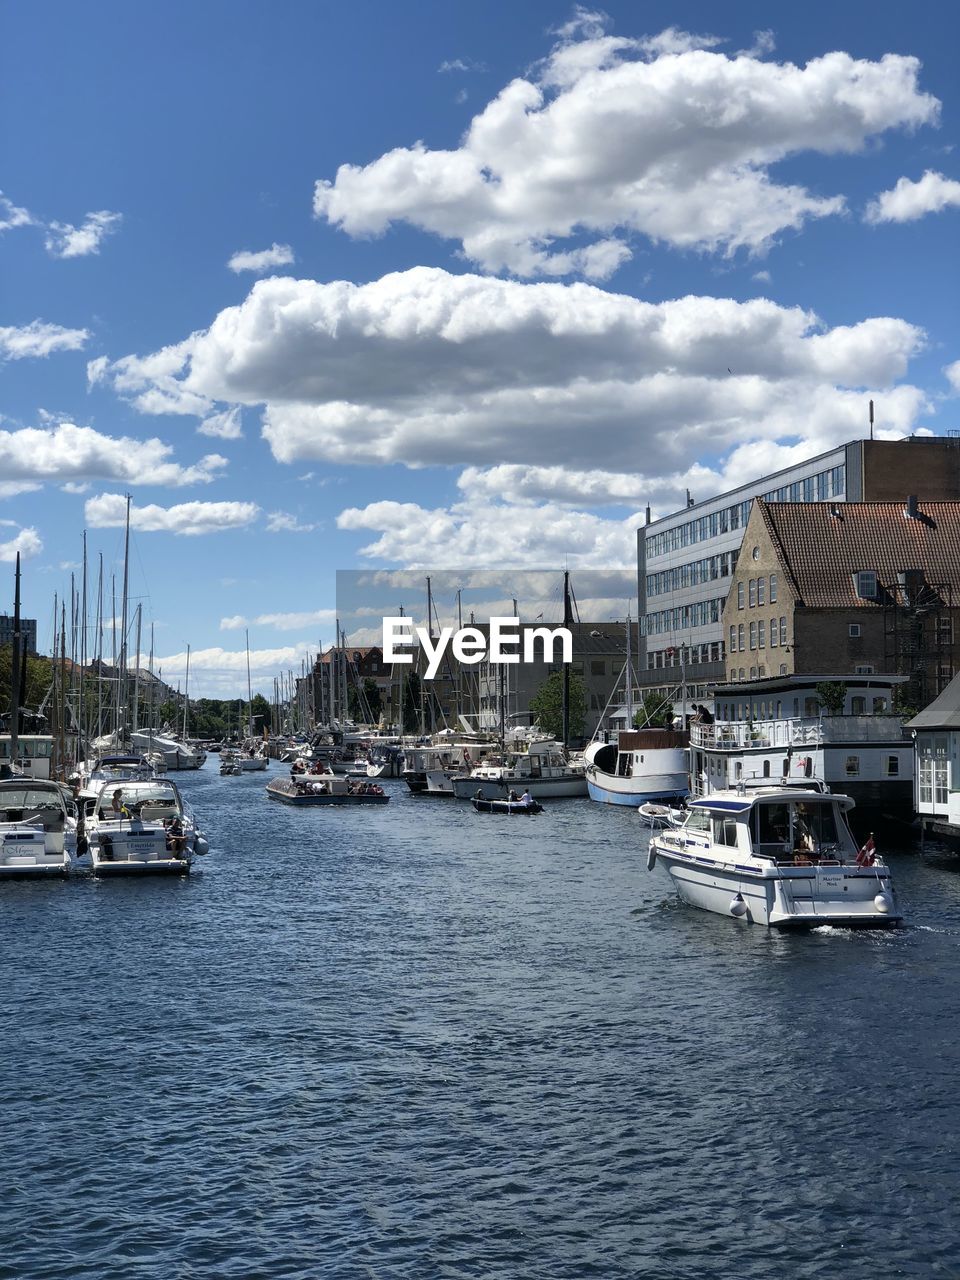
{"x":415,"y":1041}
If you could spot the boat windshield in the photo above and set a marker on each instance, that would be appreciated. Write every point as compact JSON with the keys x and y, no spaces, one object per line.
{"x":794,"y":829}
{"x":27,"y":799}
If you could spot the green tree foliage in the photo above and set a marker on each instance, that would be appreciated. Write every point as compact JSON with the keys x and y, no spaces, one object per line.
{"x":655,"y":712}
{"x":364,"y":706}
{"x":260,"y":714}
{"x":547,"y":705}
{"x":832,"y":695}
{"x":39,"y":680}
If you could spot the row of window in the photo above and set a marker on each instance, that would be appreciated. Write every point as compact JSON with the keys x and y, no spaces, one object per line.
{"x":772,"y":709}
{"x":700,"y":614}
{"x":758,"y":635}
{"x":755,"y":673}
{"x":755,"y":590}
{"x":688,"y":655}
{"x":690,"y":575}
{"x":819,"y":488}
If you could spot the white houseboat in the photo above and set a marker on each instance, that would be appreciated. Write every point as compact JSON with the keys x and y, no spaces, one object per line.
{"x":779,"y":856}
{"x":541,"y":767}
{"x":779,"y":731}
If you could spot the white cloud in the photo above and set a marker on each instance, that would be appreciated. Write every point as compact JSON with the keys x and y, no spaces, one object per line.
{"x":427,"y":368}
{"x":282,"y":621}
{"x":480,"y":533}
{"x":108,"y":510}
{"x":908,"y":201}
{"x":278,"y":255}
{"x":38,"y":339}
{"x":953,"y":375}
{"x":73,"y":486}
{"x":27,"y":543}
{"x":217,"y":672}
{"x":12,"y":216}
{"x":235,"y":623}
{"x":70,"y":453}
{"x":67,"y":241}
{"x":10,"y":488}
{"x":152,"y":383}
{"x":284,"y":522}
{"x":661,"y":137}
{"x":223,"y":426}
{"x":763,"y":277}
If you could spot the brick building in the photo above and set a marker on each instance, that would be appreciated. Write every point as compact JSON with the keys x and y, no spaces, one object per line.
{"x":847,"y":589}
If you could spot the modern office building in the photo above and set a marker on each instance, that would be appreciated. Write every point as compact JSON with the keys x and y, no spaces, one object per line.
{"x":28,"y":632}
{"x":685,"y":561}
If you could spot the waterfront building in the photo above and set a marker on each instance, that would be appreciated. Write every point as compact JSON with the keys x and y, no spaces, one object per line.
{"x":685,"y":561}
{"x":28,"y":632}
{"x":858,"y":587}
{"x":937,"y":742}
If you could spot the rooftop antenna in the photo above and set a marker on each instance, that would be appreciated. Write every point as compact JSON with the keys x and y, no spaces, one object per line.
{"x":871,"y":419}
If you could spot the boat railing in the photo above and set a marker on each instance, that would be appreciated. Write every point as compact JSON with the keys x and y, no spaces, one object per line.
{"x":802,"y":731}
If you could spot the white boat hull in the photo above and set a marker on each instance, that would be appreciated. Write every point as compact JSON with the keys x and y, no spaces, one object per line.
{"x":807,"y":897}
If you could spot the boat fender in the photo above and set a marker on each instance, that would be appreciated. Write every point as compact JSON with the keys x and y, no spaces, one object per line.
{"x":201,"y":844}
{"x":883,"y":902}
{"x":651,"y":857}
{"x":738,"y":907}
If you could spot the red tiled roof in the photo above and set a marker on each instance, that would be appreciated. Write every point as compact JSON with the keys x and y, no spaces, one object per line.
{"x":822,"y":551}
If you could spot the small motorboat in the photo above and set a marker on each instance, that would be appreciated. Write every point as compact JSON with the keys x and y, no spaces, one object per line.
{"x":661,"y":815}
{"x":507,"y":806}
{"x":313,"y":791}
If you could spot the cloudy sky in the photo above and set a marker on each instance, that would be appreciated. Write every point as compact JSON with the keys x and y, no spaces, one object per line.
{"x":447,"y":286}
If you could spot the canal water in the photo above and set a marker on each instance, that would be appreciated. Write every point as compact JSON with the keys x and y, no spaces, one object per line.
{"x":415,"y":1041}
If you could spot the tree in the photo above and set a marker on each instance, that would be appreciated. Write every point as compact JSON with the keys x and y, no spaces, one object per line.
{"x":364,"y":702}
{"x":546,"y":705}
{"x":832,"y":695}
{"x":260,"y":713}
{"x":656,"y":712}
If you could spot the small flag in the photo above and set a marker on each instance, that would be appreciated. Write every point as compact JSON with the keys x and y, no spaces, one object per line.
{"x":868,"y":854}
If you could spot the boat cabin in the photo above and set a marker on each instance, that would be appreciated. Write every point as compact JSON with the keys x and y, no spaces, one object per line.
{"x":805,"y":829}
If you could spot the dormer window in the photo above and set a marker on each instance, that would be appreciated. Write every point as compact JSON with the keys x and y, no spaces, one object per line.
{"x":865,"y":583}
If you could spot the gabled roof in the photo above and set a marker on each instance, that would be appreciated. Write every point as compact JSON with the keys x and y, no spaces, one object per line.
{"x":822,"y":551}
{"x":943,"y":712}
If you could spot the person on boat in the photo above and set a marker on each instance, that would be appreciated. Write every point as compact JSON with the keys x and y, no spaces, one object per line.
{"x":176,"y":837}
{"x":803,"y":841}
{"x":526,"y":799}
{"x":513,"y":797}
{"x":117,"y":808}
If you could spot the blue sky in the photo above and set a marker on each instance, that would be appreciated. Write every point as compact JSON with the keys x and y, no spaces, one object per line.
{"x":513,"y":272}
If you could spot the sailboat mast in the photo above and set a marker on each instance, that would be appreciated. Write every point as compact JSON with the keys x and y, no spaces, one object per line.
{"x":249,"y":694}
{"x":629,"y":698}
{"x":15,"y":690}
{"x":567,"y":619}
{"x":186,"y":695}
{"x":122,"y":673}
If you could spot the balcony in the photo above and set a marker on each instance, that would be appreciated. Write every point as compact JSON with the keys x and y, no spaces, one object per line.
{"x":739,"y":735}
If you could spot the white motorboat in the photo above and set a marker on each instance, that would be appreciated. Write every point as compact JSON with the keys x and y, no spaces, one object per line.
{"x":38,"y":833}
{"x":780,"y":856}
{"x":230,"y":766}
{"x":642,"y":766}
{"x":542,"y":768}
{"x":149,"y":830}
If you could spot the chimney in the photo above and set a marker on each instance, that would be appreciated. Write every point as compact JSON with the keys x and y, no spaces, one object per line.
{"x":648,"y":513}
{"x":836,"y":513}
{"x":911,"y":510}
{"x":689,"y":498}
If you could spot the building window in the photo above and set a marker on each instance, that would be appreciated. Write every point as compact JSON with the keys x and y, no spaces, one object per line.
{"x":761,"y":634}
{"x":766,"y":768}
{"x":598,"y":667}
{"x":774,"y":633}
{"x":755,"y":553}
{"x":785,"y":767}
{"x":852,"y":768}
{"x":753,"y":635}
{"x":739,"y":595}
{"x":864,"y":671}
{"x":865,"y":582}
{"x":879,"y":706}
{"x":783,"y":668}
{"x":761,"y":591}
{"x":740,"y":636}
{"x":854,"y":630}
{"x":808,"y":767}
{"x":741,"y":673}
{"x":753,"y":592}
{"x":733,"y":639}
{"x":892,"y":766}
{"x":753,"y":673}
{"x":762,"y":670}
{"x":858,"y":706}
{"x":783,"y":632}
{"x":773,"y":588}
